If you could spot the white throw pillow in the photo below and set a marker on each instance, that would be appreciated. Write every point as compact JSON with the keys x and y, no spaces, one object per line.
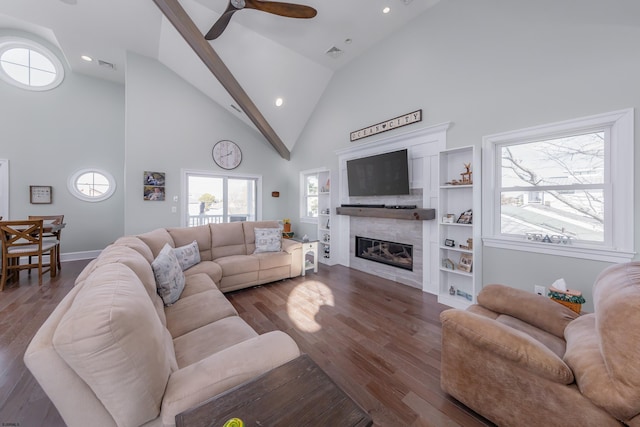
{"x":169,"y":275}
{"x":188,"y":255}
{"x":268,"y":240}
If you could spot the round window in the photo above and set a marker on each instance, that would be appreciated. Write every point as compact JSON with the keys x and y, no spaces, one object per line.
{"x":92,"y":185}
{"x":29,"y":65}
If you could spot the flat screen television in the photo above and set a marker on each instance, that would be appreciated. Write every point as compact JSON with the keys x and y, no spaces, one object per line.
{"x":380,"y":175}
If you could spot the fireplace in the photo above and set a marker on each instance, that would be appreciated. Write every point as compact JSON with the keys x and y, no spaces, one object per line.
{"x":391,"y":253}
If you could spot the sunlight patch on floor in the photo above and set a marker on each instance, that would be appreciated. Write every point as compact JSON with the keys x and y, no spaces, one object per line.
{"x":305,"y":302}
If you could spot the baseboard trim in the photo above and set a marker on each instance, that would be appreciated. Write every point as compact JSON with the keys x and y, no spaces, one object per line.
{"x":77,"y":256}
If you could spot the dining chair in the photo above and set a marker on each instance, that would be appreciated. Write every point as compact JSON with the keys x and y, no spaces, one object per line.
{"x":23,"y":238}
{"x":51,"y":234}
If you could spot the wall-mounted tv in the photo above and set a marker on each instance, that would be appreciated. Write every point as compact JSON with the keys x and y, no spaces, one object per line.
{"x":380,"y":175}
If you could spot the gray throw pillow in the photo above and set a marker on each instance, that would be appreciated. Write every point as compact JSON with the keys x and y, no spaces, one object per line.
{"x":169,"y":275}
{"x":268,"y":240}
{"x":188,"y":255}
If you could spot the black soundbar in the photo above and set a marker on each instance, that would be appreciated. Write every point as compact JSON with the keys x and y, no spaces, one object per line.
{"x":400,"y":206}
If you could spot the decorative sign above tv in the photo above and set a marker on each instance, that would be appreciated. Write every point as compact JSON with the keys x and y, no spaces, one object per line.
{"x":394,"y":123}
{"x":380,"y":175}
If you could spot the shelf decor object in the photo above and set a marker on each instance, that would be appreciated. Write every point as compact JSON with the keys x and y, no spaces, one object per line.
{"x":459,"y":193}
{"x":40,"y":194}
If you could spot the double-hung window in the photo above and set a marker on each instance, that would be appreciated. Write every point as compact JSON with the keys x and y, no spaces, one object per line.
{"x":564,"y":188}
{"x":309,"y":196}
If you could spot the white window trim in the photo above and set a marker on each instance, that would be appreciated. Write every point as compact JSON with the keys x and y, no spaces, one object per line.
{"x":620,"y":221}
{"x":303,"y":202}
{"x":10,"y":42}
{"x":184,"y":222}
{"x":4,"y":188}
{"x":71,"y":185}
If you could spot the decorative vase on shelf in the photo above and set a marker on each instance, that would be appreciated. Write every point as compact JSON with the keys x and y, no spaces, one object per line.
{"x":287,"y":227}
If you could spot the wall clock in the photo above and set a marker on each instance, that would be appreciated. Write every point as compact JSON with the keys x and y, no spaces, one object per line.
{"x":227,"y":154}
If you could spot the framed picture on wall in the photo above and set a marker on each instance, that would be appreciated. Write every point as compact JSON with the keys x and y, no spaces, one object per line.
{"x":153,"y":186}
{"x":40,"y":194}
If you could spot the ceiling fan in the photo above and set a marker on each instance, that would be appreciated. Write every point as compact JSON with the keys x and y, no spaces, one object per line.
{"x":288,"y":10}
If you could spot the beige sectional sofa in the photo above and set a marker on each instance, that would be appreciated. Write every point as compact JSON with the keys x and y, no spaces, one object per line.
{"x":113,"y":354}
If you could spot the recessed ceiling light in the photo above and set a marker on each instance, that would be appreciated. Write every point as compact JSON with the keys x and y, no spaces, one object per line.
{"x":87,"y":58}
{"x":279,"y":102}
{"x":386,"y":10}
{"x":347,"y":41}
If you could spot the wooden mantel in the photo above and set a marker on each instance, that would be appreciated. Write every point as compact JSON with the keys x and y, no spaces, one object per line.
{"x":409,"y":214}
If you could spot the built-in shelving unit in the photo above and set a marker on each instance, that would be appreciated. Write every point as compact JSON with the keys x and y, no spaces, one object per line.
{"x":460,"y":245}
{"x":324,"y":217}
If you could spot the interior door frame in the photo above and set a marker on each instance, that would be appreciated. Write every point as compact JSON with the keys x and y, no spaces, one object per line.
{"x":4,"y":188}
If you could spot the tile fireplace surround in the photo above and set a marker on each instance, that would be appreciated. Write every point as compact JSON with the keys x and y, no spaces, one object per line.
{"x":392,"y":230}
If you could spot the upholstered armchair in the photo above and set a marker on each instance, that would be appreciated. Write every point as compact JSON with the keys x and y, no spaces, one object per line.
{"x":520,"y":359}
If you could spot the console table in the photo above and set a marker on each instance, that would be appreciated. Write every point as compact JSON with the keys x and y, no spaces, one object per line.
{"x":297,"y":393}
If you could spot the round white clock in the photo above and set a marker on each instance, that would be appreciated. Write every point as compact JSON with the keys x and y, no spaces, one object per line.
{"x":227,"y":154}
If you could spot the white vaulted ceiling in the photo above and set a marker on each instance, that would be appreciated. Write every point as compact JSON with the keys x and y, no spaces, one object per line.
{"x":269,"y":55}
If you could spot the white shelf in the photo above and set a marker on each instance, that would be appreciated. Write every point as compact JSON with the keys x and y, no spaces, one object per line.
{"x":455,"y":199}
{"x":324,"y":205}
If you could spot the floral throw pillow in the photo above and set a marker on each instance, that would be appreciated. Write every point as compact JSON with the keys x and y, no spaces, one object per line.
{"x":268,"y":240}
{"x":169,"y":275}
{"x":188,"y":255}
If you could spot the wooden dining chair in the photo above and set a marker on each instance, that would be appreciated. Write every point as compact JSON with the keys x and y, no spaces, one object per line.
{"x":51,"y":235}
{"x":24,"y":239}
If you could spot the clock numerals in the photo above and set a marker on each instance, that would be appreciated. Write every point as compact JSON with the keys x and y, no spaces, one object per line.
{"x":227,"y":154}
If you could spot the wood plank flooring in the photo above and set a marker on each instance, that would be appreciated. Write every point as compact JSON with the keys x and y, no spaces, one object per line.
{"x":378,"y":340}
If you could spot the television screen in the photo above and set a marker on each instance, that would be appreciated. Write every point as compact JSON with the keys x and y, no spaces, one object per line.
{"x":381,"y":175}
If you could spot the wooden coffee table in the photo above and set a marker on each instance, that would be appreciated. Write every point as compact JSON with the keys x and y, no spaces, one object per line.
{"x":297,"y":393}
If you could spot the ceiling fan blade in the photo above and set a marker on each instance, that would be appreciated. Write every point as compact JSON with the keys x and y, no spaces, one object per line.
{"x":221,"y":23}
{"x":288,"y":10}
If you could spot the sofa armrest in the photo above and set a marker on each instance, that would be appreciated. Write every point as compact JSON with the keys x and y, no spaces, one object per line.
{"x":196,"y":383}
{"x":536,"y":310}
{"x":506,"y":342}
{"x":290,"y":246}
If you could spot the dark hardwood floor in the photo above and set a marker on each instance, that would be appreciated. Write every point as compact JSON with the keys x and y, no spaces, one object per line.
{"x":378,"y":340}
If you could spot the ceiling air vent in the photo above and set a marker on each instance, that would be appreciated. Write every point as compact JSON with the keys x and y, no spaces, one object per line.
{"x":334,"y":52}
{"x":106,"y":64}
{"x":236,"y":108}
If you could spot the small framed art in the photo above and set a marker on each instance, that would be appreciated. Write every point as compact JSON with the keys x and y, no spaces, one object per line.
{"x":40,"y":194}
{"x":466,"y":261}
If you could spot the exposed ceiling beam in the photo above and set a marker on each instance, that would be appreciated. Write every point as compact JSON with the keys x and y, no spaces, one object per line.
{"x":176,"y":14}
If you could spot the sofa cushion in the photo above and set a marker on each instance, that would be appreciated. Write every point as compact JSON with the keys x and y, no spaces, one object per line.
{"x":268,"y":240}
{"x":238,"y":264}
{"x":136,"y":244}
{"x":268,"y":260}
{"x":210,"y":268}
{"x":196,"y":283}
{"x":156,"y":240}
{"x":112,"y":338}
{"x":209,"y":339}
{"x":192,"y":312}
{"x":227,"y":239}
{"x":188,"y":255}
{"x":169,"y":275}
{"x":185,"y":235}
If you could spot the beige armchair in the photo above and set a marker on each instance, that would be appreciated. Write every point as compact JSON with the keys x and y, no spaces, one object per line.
{"x":520,"y":359}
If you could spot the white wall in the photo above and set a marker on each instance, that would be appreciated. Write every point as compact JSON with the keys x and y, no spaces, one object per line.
{"x":47,"y":136}
{"x":172,"y":126}
{"x":489,"y":67}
